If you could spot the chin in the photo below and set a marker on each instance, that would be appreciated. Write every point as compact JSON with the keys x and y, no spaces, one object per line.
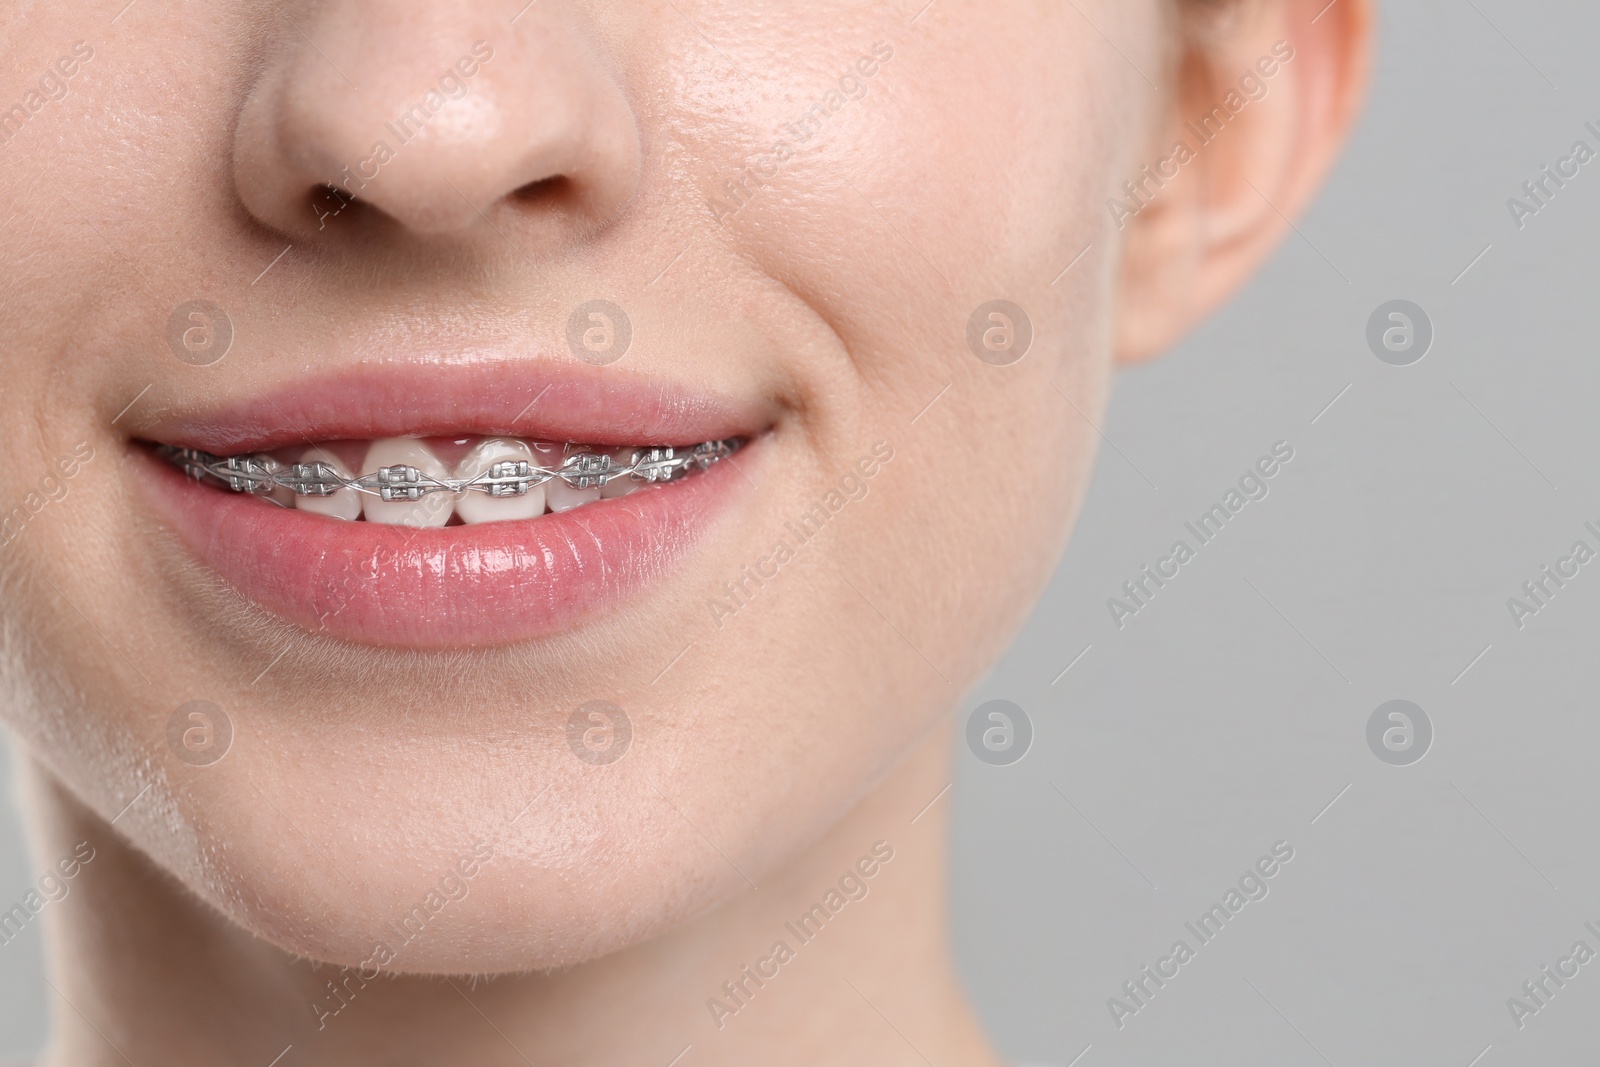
{"x":491,"y":851}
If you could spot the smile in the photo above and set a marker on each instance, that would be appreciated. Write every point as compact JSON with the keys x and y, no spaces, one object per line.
{"x":424,"y":507}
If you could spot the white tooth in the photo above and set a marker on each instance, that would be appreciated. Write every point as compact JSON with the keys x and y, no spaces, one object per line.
{"x":620,"y":457}
{"x":561,"y":496}
{"x":433,"y":509}
{"x":341,"y":503}
{"x":475,"y":506}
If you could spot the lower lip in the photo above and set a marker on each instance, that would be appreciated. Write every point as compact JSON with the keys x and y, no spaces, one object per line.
{"x":451,"y":587}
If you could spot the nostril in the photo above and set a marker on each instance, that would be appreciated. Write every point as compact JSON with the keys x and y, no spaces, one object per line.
{"x":555,"y":187}
{"x":328,"y":202}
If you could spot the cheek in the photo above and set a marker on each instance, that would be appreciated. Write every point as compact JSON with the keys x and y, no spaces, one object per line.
{"x":926,"y":210}
{"x":950,"y":184}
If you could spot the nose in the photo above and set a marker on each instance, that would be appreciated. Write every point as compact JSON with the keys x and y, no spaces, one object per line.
{"x":437,"y":118}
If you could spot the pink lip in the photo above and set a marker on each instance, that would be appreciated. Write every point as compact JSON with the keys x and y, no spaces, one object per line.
{"x":452,"y":587}
{"x":456,"y":586}
{"x":517,"y":398}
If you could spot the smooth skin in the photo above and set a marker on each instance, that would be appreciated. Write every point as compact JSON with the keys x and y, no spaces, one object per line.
{"x":785,"y":739}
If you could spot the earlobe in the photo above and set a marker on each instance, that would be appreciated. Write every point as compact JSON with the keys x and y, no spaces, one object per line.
{"x":1257,"y":115}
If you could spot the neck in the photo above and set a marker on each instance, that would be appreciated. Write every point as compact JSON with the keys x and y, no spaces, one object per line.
{"x":790,"y":974}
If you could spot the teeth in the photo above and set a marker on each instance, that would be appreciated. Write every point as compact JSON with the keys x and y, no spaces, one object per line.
{"x":558,"y":494}
{"x":620,"y":457}
{"x":401,"y":467}
{"x":341,"y":503}
{"x":433,"y":509}
{"x":476,"y":507}
{"x":280,"y":495}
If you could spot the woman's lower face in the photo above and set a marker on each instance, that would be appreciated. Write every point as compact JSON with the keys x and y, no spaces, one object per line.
{"x":392,"y":268}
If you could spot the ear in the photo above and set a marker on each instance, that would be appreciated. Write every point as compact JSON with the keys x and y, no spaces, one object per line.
{"x":1260,"y":104}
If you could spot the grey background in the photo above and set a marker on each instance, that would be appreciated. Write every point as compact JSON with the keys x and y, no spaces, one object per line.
{"x":1227,"y":715}
{"x":1212,"y":725}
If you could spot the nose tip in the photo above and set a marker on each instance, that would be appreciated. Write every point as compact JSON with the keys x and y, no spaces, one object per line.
{"x":390,"y":109}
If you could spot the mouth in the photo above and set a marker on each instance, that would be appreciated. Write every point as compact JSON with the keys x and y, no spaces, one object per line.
{"x":457,"y":524}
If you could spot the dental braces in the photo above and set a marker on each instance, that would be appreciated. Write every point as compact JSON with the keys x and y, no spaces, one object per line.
{"x":261,"y":475}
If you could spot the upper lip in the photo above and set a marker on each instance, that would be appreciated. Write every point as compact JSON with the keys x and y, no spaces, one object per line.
{"x":508,"y":394}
